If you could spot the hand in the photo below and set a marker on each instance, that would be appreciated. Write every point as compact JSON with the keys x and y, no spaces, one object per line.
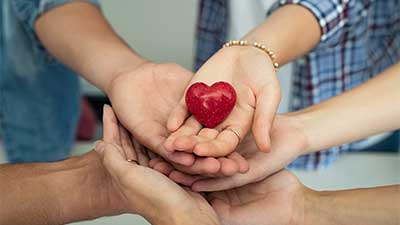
{"x":288,"y":142}
{"x":143,"y":97}
{"x":279,"y":199}
{"x":142,"y":189}
{"x":252,"y":74}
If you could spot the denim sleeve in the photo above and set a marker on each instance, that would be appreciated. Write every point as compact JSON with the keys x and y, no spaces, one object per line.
{"x":336,"y":18}
{"x":27,"y":11}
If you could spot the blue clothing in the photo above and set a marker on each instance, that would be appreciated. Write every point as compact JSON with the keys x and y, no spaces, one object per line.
{"x":39,"y":98}
{"x":360,"y":38}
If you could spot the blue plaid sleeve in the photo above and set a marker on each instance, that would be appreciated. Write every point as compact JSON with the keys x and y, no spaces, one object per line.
{"x":336,"y":18}
{"x":27,"y":11}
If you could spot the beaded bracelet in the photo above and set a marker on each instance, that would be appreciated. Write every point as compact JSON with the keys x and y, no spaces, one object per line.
{"x":260,"y":46}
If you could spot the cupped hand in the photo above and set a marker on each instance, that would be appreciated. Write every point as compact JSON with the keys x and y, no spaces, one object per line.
{"x":251,"y":73}
{"x":288,"y":141}
{"x":279,"y":199}
{"x":146,"y":191}
{"x":144,"y":97}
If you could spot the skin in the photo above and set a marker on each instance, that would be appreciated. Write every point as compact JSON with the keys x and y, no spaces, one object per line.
{"x":104,"y":59}
{"x":252,"y":74}
{"x":282,"y":199}
{"x":143,"y":189}
{"x":304,"y":132}
{"x":104,"y":184}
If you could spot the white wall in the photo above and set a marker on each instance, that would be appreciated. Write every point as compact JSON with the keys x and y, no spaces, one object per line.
{"x":159,"y":30}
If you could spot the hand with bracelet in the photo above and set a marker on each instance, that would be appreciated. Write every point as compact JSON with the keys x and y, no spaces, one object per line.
{"x":251,"y":72}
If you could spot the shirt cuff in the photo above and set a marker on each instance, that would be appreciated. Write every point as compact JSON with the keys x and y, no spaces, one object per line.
{"x":332,"y":16}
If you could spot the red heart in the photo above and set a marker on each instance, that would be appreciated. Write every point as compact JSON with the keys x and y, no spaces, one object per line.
{"x":210,"y":105}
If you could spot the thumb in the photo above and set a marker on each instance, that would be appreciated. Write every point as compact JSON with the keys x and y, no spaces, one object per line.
{"x":266,"y":106}
{"x":177,"y":116}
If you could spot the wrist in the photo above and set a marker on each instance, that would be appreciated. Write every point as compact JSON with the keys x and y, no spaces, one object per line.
{"x":317,"y":208}
{"x":122,"y":69}
{"x":309,"y":121}
{"x":244,"y":53}
{"x":82,"y":189}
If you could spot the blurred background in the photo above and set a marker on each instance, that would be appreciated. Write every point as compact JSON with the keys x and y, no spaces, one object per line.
{"x":164,"y":31}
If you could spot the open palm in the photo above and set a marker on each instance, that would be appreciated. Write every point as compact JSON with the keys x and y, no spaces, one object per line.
{"x":258,"y":94}
{"x":144,"y":97}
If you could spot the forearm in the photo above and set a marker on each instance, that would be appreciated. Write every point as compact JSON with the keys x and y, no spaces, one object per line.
{"x":290,"y":32}
{"x":78,"y":35}
{"x":361,"y":206}
{"x":363,"y":111}
{"x":51,"y":193}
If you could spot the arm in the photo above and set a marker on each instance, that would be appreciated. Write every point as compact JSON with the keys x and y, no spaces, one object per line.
{"x":360,"y":206}
{"x":283,"y":199}
{"x":363,"y":111}
{"x":297,"y":37}
{"x":79,"y":36}
{"x":56,"y":193}
{"x":251,"y":73}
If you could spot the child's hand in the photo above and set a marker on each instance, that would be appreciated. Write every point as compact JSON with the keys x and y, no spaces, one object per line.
{"x":251,"y":73}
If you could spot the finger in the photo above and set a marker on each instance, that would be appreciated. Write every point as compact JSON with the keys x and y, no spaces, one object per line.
{"x":177,"y":116}
{"x":267,"y":102}
{"x":154,"y":161}
{"x":185,"y":143}
{"x":240,"y":161}
{"x":126,"y":144}
{"x":225,"y":143}
{"x":182,"y":178}
{"x":208,"y":133}
{"x":141,"y":154}
{"x":163,"y":167}
{"x":190,"y":127}
{"x":181,"y":158}
{"x":223,"y":183}
{"x":110,"y":126}
{"x":228,"y":166}
{"x":188,"y":143}
{"x":203,"y":166}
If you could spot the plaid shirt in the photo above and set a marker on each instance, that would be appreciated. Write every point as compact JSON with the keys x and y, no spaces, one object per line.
{"x":360,"y":38}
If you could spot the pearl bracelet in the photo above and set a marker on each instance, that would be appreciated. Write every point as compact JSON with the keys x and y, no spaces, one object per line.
{"x":260,"y":46}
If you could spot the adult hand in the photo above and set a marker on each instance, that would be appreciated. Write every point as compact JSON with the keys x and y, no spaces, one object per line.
{"x":288,"y":142}
{"x":143,"y":98}
{"x":251,"y":73}
{"x":142,"y":189}
{"x":279,"y":199}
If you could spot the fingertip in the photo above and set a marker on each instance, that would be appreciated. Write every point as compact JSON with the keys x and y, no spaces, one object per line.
{"x":200,"y":150}
{"x":169,"y":145}
{"x":244,"y":167}
{"x":228,"y":167}
{"x":264,"y":146}
{"x":177,"y":117}
{"x":184,"y":143}
{"x":172,"y":124}
{"x":262,"y":140}
{"x":212,"y":165}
